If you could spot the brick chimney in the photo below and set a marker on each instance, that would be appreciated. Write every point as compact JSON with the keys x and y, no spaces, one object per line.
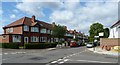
{"x":33,"y":18}
{"x":65,"y":27}
{"x":53,"y":24}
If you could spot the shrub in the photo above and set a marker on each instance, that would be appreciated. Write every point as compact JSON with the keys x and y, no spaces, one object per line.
{"x":52,"y":45}
{"x":0,"y":45}
{"x":10,"y":45}
{"x":34,"y":46}
{"x":40,"y":45}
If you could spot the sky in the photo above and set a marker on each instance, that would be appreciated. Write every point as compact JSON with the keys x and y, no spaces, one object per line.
{"x":75,"y":14}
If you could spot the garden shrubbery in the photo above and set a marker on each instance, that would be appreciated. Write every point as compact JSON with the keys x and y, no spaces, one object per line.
{"x":0,"y":45}
{"x":40,"y":45}
{"x":10,"y":45}
{"x":30,"y":45}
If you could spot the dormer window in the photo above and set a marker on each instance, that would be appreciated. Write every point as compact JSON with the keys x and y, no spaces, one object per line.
{"x":26,"y":28}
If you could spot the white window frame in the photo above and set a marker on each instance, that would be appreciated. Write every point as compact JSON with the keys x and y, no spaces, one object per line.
{"x":16,"y":38}
{"x":10,"y":30}
{"x":49,"y":31}
{"x":52,"y":40}
{"x":43,"y":30}
{"x":34,"y":39}
{"x":56,"y":39}
{"x":34,"y":29}
{"x":26,"y":28}
{"x":43,"y":39}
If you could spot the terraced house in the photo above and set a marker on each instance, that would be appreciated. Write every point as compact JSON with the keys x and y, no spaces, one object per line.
{"x":30,"y":30}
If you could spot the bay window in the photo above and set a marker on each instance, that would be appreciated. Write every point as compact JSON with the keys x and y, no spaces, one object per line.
{"x":43,"y":39}
{"x":34,"y":39}
{"x":16,"y":38}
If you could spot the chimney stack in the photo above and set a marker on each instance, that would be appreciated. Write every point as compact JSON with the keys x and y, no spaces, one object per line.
{"x":33,"y":18}
{"x":53,"y":24}
{"x":65,"y":27}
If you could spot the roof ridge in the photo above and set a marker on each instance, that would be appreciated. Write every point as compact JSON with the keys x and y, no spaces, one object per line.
{"x":44,"y":22}
{"x":115,"y":23}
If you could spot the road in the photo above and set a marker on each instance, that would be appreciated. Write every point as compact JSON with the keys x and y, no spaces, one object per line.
{"x":56,"y":56}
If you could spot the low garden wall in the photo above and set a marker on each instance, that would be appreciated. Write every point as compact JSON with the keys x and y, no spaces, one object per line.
{"x":109,"y":43}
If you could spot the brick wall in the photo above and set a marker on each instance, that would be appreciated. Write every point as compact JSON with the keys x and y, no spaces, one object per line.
{"x":16,"y":30}
{"x":1,"y":39}
{"x":109,"y":42}
{"x":6,"y":39}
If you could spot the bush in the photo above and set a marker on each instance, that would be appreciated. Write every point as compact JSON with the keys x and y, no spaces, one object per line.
{"x":0,"y":45}
{"x":10,"y":45}
{"x":40,"y":45}
{"x":52,"y":45}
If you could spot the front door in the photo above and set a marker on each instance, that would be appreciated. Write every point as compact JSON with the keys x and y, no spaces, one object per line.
{"x":26,"y":39}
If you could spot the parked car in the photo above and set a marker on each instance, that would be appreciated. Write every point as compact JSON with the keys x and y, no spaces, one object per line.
{"x":89,"y":45}
{"x":96,"y":43}
{"x":73,"y":44}
{"x":80,"y":43}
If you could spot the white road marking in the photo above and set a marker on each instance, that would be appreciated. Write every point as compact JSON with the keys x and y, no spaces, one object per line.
{"x":65,"y":60}
{"x":54,"y":62}
{"x":13,"y":53}
{"x":92,"y":61}
{"x":5,"y":53}
{"x":0,"y":54}
{"x":60,"y":59}
{"x":57,"y":61}
{"x":4,"y":59}
{"x":23,"y":52}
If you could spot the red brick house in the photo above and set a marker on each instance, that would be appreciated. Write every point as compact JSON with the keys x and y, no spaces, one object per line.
{"x":30,"y":30}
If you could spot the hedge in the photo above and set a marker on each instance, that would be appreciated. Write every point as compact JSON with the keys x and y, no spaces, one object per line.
{"x":0,"y":45}
{"x":40,"y":45}
{"x":10,"y":45}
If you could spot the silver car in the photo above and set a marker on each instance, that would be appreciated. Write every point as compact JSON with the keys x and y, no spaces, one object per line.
{"x":89,"y":45}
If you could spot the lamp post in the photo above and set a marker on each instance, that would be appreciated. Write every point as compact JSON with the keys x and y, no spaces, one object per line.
{"x":96,"y":37}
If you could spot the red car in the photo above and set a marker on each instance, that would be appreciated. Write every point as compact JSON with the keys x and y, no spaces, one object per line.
{"x":73,"y":44}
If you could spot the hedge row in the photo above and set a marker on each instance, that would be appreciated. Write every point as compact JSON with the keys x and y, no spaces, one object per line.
{"x":40,"y":45}
{"x":10,"y":45}
{"x":30,"y":45}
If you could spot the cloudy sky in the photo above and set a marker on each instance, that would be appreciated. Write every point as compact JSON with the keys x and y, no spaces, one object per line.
{"x":75,"y":14}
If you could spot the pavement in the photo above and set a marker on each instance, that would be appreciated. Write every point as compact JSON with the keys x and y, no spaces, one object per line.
{"x":101,"y":51}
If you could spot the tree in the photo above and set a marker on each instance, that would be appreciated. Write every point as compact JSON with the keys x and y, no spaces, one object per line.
{"x":95,"y":29}
{"x":106,"y":33}
{"x":59,"y":31}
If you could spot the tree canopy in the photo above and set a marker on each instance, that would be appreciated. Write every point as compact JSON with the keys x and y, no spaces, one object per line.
{"x":106,"y":33}
{"x":95,"y":29}
{"x":59,"y":31}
